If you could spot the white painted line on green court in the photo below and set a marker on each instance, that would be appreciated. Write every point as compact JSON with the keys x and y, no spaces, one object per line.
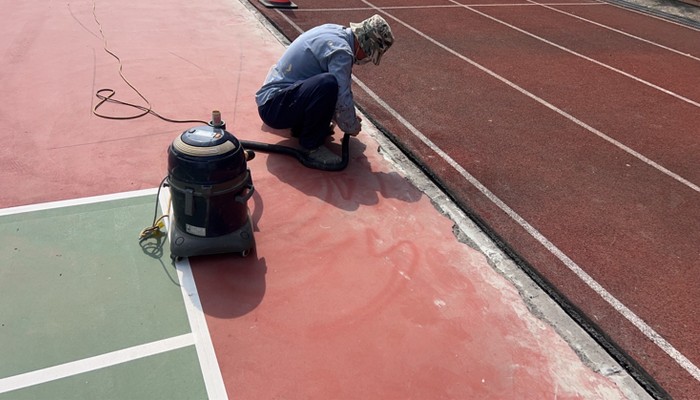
{"x":211,"y":372}
{"x":94,"y":363}
{"x":199,"y":337}
{"x":75,"y":202}
{"x":208,"y":362}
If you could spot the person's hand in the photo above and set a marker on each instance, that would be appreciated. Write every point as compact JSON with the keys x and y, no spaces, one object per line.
{"x":359,"y":122}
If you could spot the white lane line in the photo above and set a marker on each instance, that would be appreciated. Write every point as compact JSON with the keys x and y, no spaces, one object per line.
{"x":552,"y":107}
{"x":208,"y":362}
{"x":292,"y":23}
{"x":550,"y":7}
{"x":75,"y":202}
{"x":643,"y":327}
{"x":589,"y":59}
{"x":94,"y":363}
{"x":485,"y":5}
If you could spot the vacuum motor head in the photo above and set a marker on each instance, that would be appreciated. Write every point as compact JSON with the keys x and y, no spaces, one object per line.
{"x":206,"y":155}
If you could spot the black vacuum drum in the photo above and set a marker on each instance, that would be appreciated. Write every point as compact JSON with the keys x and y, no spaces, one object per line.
{"x":210,"y":185}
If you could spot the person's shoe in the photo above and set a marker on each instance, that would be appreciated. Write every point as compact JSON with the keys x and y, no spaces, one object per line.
{"x":324,"y":156}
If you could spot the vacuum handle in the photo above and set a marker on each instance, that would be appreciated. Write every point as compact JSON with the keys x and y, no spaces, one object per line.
{"x":189,"y":202}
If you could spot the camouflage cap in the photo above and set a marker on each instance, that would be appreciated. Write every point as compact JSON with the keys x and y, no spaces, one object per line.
{"x":374,"y":36}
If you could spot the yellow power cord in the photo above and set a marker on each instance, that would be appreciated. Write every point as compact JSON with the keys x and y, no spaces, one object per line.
{"x":155,"y":229}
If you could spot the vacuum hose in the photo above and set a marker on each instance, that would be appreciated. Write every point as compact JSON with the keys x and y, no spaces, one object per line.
{"x":302,"y":156}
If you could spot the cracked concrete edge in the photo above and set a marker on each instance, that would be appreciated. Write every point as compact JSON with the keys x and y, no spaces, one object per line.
{"x":538,"y":302}
{"x":679,"y":11}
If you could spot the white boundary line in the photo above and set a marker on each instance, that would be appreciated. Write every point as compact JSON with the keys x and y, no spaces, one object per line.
{"x":643,"y":327}
{"x":199,"y":337}
{"x":484,"y":5}
{"x":208,"y":362}
{"x":75,"y":202}
{"x":94,"y":363}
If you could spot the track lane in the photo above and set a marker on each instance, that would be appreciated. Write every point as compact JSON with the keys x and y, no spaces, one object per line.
{"x":668,"y":33}
{"x":627,"y":54}
{"x":584,"y":90}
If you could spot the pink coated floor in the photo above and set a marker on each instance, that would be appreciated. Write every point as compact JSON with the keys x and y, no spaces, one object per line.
{"x":358,"y":287}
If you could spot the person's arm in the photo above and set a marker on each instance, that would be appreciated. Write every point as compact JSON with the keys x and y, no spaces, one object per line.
{"x":340,"y":65}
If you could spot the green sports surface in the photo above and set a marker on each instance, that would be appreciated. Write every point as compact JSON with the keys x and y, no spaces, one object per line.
{"x":75,"y":285}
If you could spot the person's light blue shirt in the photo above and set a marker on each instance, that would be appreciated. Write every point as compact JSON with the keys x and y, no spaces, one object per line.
{"x":325,"y":48}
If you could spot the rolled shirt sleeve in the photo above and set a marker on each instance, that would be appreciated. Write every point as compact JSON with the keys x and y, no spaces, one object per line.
{"x":340,"y":65}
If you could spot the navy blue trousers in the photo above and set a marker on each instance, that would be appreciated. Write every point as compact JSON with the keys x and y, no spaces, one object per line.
{"x":307,"y":107}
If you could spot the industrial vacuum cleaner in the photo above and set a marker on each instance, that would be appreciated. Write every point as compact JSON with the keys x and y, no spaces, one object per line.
{"x":210,"y":185}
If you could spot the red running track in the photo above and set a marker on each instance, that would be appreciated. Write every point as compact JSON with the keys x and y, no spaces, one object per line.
{"x":570,"y":131}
